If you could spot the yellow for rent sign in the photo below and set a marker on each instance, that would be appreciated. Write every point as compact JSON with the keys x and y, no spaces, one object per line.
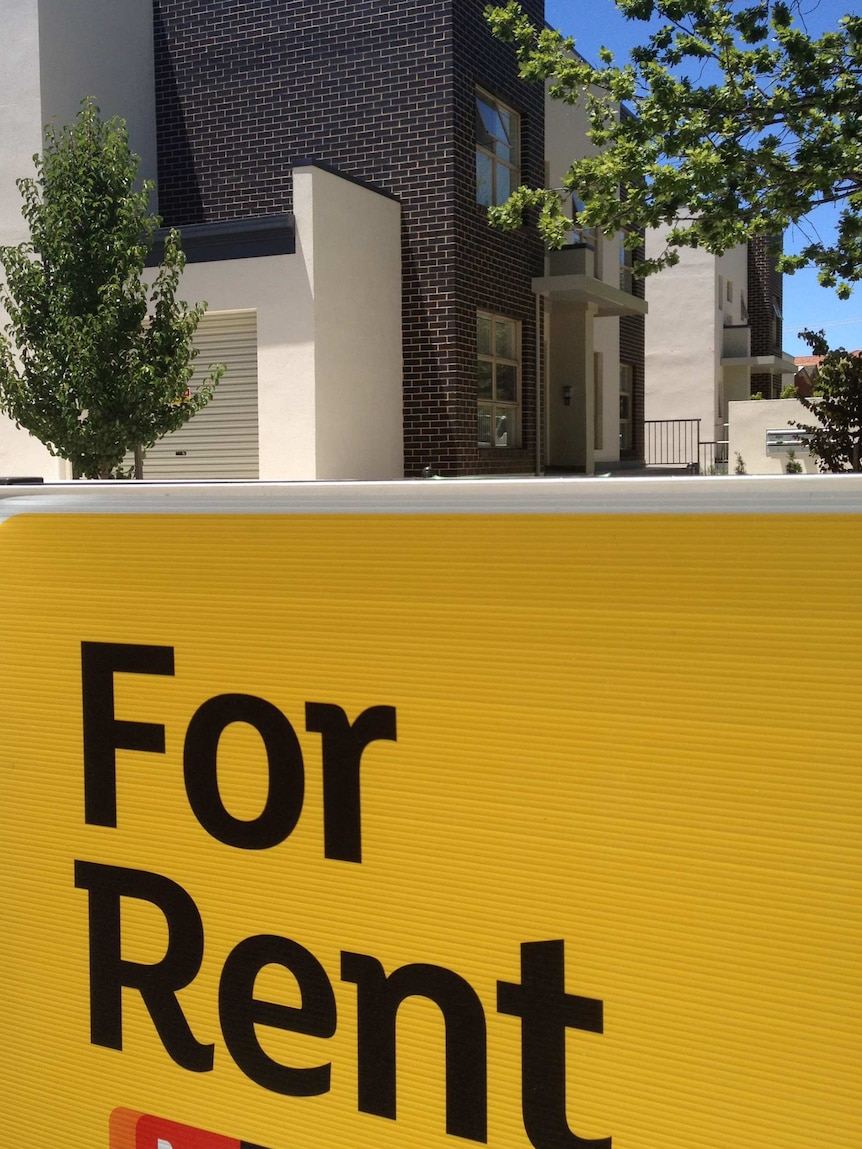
{"x":397,"y":818}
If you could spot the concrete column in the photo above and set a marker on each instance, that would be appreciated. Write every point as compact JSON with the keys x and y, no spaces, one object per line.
{"x":571,"y":427}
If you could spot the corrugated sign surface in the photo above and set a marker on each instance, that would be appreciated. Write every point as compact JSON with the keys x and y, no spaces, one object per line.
{"x":398,"y":832}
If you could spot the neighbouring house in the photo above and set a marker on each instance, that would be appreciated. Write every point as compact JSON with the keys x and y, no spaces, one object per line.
{"x":807,"y":367}
{"x":806,"y":373}
{"x":329,"y":165}
{"x":713,"y":337}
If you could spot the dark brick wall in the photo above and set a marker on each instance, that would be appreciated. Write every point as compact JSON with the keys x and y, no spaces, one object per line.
{"x":381,"y":90}
{"x":765,"y":284}
{"x":493,"y":271}
{"x":632,"y":352}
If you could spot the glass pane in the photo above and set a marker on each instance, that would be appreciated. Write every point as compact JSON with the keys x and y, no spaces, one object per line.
{"x":483,"y":335}
{"x":504,"y":142}
{"x":484,"y":179}
{"x":507,"y":383}
{"x":504,"y":339}
{"x":485,"y":118}
{"x":514,"y":137}
{"x":504,"y":427}
{"x":625,"y":406}
{"x":485,"y":379}
{"x":490,"y":119}
{"x":505,"y":186}
{"x":484,"y":426}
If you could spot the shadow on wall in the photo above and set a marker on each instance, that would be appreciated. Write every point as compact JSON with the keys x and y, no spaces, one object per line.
{"x":179,"y":194}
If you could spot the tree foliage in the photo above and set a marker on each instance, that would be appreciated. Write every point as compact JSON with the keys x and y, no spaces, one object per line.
{"x":743,"y":125}
{"x":92,"y":362}
{"x":836,"y":403}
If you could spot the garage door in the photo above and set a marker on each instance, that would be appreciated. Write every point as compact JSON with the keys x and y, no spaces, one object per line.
{"x":221,"y":441}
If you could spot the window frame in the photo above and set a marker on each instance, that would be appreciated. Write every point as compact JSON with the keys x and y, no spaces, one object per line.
{"x":627,"y":389}
{"x":776,"y":321}
{"x":580,"y":235}
{"x":494,"y":406}
{"x":627,"y":259}
{"x":513,"y":165}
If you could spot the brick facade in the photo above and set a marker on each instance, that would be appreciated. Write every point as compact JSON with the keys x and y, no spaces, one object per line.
{"x":632,"y":352}
{"x":383,"y":90}
{"x":765,"y":293}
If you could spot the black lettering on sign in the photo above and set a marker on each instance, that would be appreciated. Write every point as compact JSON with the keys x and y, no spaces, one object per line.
{"x":546,"y":1012}
{"x":157,"y":983}
{"x":104,"y":734}
{"x":284,"y":759}
{"x":240,"y":1011}
{"x":343,"y":745}
{"x":378,"y":999}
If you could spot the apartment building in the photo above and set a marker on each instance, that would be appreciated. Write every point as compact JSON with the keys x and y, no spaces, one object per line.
{"x":329,"y":166}
{"x":713,"y":337}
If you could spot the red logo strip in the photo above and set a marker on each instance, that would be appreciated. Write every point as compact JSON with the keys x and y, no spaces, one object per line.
{"x":132,"y":1130}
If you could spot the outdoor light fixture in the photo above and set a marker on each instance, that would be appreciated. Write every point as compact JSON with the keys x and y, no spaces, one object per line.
{"x":567,"y":396}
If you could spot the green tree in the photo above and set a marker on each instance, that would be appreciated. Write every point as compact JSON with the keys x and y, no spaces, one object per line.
{"x":836,"y":437}
{"x":743,"y":125}
{"x":92,"y":363}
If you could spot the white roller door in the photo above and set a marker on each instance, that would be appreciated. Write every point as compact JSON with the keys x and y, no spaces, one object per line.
{"x":221,"y":441}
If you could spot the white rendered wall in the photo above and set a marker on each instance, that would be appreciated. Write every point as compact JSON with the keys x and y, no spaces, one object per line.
{"x":277,"y":288}
{"x":571,"y":426}
{"x":733,"y":269}
{"x":104,"y":49}
{"x":329,"y":333}
{"x":356,"y":284}
{"x":566,"y":130}
{"x":571,"y":361}
{"x":682,"y":337}
{"x":52,"y":54}
{"x":734,"y":382}
{"x":749,"y":422}
{"x":606,"y":342}
{"x":20,"y":110}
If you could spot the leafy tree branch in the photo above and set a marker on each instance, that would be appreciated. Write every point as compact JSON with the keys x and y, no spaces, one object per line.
{"x":91,"y":363}
{"x":836,"y":436}
{"x":735,"y":123}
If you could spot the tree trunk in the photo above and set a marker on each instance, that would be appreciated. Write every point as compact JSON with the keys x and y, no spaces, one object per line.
{"x":139,"y":462}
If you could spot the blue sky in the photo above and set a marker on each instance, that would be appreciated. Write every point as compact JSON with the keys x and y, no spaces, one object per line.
{"x":594,"y":23}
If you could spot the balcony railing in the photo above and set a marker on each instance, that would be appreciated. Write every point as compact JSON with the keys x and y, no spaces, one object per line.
{"x":676,"y":443}
{"x":579,"y":259}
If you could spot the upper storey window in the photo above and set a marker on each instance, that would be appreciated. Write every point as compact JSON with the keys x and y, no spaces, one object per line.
{"x":627,"y":257}
{"x":498,"y":150}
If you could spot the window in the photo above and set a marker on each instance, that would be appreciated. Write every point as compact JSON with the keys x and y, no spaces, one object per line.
{"x":730,"y":291}
{"x":498,"y":150}
{"x":775,"y":322}
{"x":626,"y":396}
{"x":721,"y":293}
{"x":626,"y":262}
{"x":743,"y":307}
{"x":498,"y":379}
{"x":580,"y":234}
{"x":598,"y":401}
